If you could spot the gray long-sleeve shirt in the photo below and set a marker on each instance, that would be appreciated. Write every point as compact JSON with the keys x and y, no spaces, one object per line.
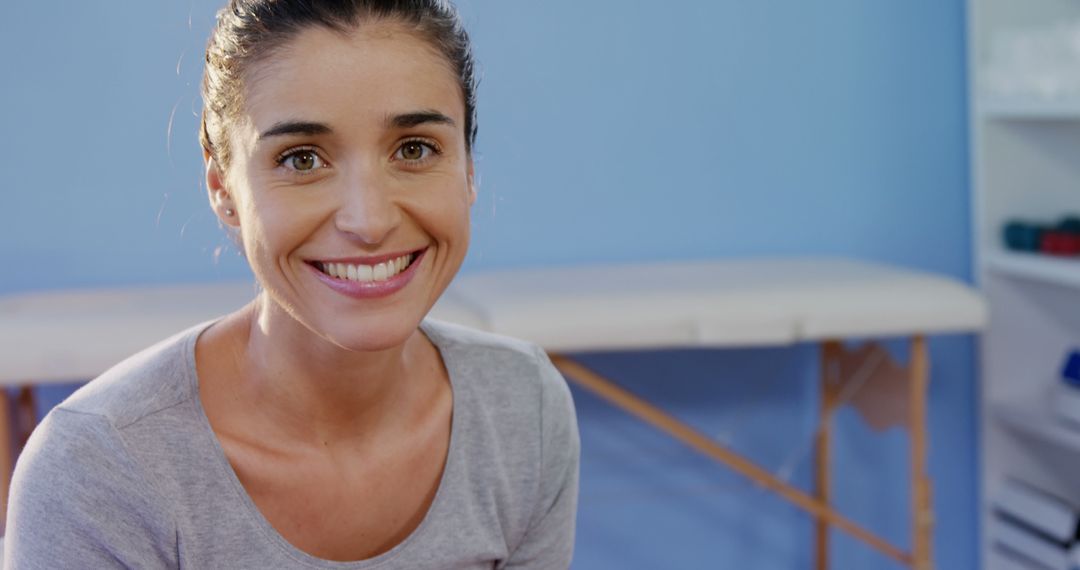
{"x":127,"y":473}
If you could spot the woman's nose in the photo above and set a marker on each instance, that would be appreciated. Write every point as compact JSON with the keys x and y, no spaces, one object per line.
{"x":368,"y":212}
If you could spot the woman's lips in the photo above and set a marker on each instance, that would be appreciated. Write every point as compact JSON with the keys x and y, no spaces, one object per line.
{"x":366,"y":278}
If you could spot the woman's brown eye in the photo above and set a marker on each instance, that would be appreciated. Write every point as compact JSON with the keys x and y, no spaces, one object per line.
{"x":303,"y":161}
{"x":412,"y":151}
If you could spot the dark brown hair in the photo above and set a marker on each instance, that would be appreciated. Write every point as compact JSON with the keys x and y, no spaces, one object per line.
{"x":250,"y":30}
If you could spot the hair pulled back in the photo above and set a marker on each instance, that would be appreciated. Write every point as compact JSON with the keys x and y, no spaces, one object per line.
{"x":250,"y":30}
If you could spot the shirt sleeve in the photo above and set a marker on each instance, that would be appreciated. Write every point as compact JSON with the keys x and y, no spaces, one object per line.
{"x":79,"y":500}
{"x":549,"y":541}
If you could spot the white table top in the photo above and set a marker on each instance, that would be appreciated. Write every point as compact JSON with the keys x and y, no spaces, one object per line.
{"x":718,"y":303}
{"x":74,"y":335}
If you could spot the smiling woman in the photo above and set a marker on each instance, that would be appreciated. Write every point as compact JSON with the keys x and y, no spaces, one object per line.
{"x":327,"y":424}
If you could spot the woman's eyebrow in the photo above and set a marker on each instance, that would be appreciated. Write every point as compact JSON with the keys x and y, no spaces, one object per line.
{"x":407,"y":120}
{"x":402,"y":121}
{"x":295,"y":128}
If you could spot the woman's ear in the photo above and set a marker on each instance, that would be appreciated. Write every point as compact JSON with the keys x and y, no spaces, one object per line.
{"x":220,"y":199}
{"x":471,"y":172}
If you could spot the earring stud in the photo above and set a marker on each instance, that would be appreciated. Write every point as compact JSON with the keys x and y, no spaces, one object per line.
{"x":229,"y":212}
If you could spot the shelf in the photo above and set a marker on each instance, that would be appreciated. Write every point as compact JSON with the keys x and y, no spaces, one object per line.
{"x":1024,"y":142}
{"x":1040,"y":425}
{"x":1045,"y":268}
{"x":1034,"y":109}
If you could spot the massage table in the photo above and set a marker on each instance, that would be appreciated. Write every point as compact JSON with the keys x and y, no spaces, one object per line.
{"x":65,"y":336}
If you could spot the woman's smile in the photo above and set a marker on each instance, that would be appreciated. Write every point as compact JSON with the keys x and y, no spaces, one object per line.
{"x":368,"y":277}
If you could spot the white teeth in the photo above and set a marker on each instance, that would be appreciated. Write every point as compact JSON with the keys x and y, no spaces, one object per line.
{"x":367,"y":273}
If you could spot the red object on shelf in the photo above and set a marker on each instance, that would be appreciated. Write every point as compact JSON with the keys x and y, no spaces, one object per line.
{"x":1060,"y":243}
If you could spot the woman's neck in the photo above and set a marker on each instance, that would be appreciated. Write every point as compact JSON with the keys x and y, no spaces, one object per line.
{"x":312,"y":391}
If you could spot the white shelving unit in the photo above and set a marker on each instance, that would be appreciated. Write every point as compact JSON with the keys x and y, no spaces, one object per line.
{"x":1026,"y":165}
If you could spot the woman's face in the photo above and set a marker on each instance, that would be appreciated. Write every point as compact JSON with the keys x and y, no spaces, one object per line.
{"x":351,"y":181}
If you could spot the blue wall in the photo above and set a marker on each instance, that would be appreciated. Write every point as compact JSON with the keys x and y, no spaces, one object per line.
{"x":609,"y":131}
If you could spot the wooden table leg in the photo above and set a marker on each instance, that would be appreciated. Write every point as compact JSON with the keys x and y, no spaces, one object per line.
{"x":922,"y":509}
{"x":7,"y":459}
{"x":25,"y":419}
{"x":15,"y":429}
{"x":652,"y":415}
{"x":823,"y":450}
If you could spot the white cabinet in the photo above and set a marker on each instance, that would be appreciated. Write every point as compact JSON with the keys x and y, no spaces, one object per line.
{"x":1025,"y":164}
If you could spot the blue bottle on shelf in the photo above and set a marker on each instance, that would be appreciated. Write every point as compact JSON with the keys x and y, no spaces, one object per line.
{"x":1070,"y":373}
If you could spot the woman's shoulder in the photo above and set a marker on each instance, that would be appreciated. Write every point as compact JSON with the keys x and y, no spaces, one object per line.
{"x":74,"y":479}
{"x":87,"y":463}
{"x":518,"y":421}
{"x":153,"y":379}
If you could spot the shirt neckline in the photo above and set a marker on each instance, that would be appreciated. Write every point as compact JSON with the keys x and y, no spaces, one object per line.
{"x":256,"y":516}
